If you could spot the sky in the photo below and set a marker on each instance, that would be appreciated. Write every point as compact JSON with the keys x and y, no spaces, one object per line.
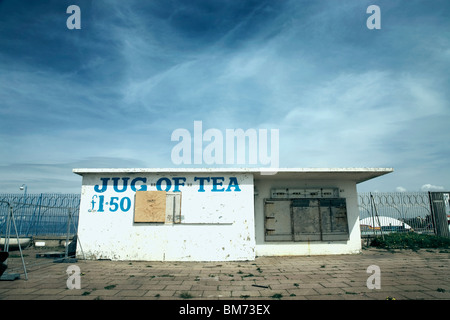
{"x":112,"y":93}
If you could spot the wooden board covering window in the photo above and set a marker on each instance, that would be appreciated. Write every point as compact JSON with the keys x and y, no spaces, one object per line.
{"x":150,"y":206}
{"x":307,"y":219}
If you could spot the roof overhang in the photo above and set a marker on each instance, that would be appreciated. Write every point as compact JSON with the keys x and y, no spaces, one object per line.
{"x":349,"y":174}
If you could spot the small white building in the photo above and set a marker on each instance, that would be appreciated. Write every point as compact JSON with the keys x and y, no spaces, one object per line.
{"x":219,"y":214}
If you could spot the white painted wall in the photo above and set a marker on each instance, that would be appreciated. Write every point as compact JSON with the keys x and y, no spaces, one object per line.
{"x":217,"y":225}
{"x":263,"y":187}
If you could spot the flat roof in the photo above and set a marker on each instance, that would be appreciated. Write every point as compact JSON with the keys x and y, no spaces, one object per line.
{"x":352,"y":174}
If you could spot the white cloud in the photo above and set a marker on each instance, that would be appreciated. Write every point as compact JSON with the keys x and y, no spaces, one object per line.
{"x":339,"y":95}
{"x":430,"y":187}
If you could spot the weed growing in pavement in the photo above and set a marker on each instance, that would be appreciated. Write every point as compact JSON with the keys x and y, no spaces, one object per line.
{"x":185,"y":295}
{"x":112,"y":286}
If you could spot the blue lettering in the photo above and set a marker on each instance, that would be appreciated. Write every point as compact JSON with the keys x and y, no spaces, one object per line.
{"x":104,"y":185}
{"x":201,"y":183}
{"x":177,"y":183}
{"x":133,"y":184}
{"x":165,"y":184}
{"x":233,"y":184}
{"x":216,"y":183}
{"x":93,"y":202}
{"x":168,"y":184}
{"x":125,"y":204}
{"x":116,"y":183}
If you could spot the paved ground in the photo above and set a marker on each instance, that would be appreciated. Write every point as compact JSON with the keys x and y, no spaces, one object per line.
{"x":404,"y":275}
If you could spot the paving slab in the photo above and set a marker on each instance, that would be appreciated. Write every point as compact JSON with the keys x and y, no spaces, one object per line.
{"x":404,"y":275}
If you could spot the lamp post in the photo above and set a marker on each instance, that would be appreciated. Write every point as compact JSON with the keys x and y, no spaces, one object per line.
{"x":24,"y":188}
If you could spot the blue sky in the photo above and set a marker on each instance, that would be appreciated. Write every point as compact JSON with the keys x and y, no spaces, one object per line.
{"x":112,"y":93}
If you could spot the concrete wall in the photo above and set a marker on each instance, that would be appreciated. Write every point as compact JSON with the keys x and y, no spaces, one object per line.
{"x":217,"y":218}
{"x":348,"y":191}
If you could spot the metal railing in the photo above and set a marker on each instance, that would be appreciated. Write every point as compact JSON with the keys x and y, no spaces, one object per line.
{"x":41,"y":214}
{"x":48,"y":214}
{"x":385,"y":212}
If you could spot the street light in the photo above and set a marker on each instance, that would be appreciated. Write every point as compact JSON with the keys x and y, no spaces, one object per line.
{"x":23,"y":187}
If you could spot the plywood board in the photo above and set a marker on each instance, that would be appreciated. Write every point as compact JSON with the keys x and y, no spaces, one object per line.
{"x":150,"y":206}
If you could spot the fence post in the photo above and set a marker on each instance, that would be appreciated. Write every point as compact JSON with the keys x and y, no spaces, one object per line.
{"x":439,"y":214}
{"x":376,"y":214}
{"x":69,"y":219}
{"x":432,"y":213}
{"x":11,"y":221}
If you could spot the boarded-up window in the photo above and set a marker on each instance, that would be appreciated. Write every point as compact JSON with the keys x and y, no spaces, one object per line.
{"x":320,"y":219}
{"x":173,"y":207}
{"x":157,"y":206}
{"x":306,"y":220}
{"x":334,"y":219}
{"x":278,"y":220}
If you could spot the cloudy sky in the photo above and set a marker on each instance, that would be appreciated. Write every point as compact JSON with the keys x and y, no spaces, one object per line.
{"x":111,"y":93}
